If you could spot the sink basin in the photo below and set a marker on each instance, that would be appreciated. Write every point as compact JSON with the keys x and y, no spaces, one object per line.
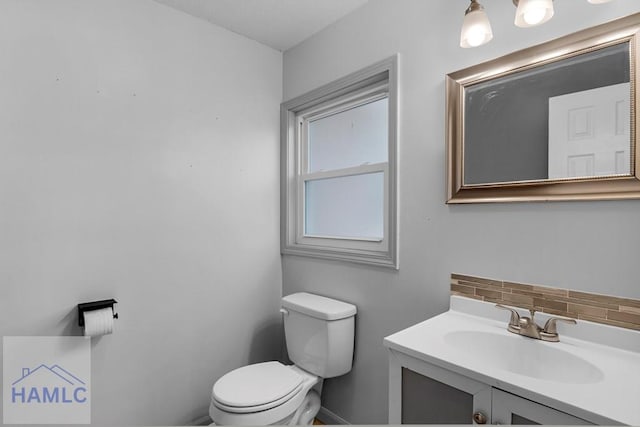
{"x":525,"y":356}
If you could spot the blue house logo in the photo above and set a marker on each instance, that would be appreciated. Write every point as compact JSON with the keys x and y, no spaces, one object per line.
{"x":48,"y":385}
{"x":47,"y":380}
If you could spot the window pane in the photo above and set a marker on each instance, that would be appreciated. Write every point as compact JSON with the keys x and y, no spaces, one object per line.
{"x":349,"y":138}
{"x":349,"y":206}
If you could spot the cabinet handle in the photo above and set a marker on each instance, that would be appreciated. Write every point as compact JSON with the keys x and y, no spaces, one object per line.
{"x":479,"y":418}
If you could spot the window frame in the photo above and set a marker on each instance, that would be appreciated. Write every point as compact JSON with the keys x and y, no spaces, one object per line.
{"x":367,"y":85}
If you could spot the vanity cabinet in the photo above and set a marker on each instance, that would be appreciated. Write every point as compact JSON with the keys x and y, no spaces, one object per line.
{"x":421,"y":393}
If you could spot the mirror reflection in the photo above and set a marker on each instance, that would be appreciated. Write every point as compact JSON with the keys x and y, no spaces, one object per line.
{"x":566,"y":119}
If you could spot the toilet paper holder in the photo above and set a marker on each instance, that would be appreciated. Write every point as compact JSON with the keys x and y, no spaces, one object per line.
{"x":95,"y":305}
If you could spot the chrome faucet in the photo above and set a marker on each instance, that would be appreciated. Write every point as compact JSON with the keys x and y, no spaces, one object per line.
{"x":528,"y":327}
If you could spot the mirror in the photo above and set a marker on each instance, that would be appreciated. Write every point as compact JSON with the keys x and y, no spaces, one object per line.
{"x":552,"y":122}
{"x":565,"y":119}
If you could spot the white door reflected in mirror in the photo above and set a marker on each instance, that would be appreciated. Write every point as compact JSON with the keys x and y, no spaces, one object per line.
{"x":589,"y":133}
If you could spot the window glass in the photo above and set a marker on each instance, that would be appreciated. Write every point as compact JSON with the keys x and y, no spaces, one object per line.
{"x":348,"y":206}
{"x":349,"y":138}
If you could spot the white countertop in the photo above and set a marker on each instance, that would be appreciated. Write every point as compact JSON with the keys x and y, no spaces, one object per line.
{"x":612,"y":399}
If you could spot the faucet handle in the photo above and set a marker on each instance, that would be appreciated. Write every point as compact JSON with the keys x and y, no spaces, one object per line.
{"x":550,"y":326}
{"x":515,"y":316}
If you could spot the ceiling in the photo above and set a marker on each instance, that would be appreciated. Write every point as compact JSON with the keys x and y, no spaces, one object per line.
{"x":280,"y":24}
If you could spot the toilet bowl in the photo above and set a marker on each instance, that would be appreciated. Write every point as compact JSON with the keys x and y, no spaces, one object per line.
{"x":319,"y":333}
{"x":264,"y":394}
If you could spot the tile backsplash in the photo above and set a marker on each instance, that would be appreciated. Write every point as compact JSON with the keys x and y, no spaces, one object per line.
{"x":609,"y":310}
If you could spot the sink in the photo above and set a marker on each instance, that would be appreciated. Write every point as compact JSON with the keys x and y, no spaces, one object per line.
{"x":525,"y":356}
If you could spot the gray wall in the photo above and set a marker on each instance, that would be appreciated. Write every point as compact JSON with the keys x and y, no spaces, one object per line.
{"x":579,"y":245}
{"x":128,"y":170}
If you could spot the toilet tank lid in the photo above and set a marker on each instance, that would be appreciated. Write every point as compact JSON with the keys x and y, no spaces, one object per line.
{"x":318,"y":306}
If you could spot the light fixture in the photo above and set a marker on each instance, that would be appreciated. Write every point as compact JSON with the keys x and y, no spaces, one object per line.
{"x":530,"y":13}
{"x":476,"y":29}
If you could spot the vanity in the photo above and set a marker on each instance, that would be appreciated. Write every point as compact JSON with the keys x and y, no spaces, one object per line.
{"x":464,"y":367}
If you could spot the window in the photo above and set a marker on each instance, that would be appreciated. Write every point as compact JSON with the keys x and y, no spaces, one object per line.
{"x":339,"y":169}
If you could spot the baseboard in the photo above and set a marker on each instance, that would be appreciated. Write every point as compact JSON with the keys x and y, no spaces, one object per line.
{"x":329,"y":418}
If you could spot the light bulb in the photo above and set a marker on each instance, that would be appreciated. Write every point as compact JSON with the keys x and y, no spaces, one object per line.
{"x":475,"y":36}
{"x":533,"y":16}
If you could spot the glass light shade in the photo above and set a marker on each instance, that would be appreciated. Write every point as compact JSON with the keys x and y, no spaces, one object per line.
{"x":533,"y":12}
{"x":598,"y":1}
{"x":476,"y":29}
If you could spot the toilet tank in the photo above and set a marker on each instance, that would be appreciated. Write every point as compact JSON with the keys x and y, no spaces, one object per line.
{"x":319,"y":332}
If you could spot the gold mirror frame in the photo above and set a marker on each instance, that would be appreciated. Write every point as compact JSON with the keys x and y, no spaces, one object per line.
{"x":593,"y":188}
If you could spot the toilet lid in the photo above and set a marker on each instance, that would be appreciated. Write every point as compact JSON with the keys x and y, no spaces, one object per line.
{"x":256,"y":385}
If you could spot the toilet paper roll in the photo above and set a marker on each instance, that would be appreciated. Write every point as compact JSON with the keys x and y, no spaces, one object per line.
{"x":98,"y":322}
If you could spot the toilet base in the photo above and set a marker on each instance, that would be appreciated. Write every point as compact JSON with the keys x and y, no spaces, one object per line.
{"x":307,"y":411}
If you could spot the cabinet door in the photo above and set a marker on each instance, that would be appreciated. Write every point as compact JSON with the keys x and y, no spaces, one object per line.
{"x":510,"y":409}
{"x":427,"y":401}
{"x":420,"y":393}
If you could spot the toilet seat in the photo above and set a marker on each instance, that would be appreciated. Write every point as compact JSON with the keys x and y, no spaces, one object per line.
{"x":257,"y":408}
{"x":256,"y":387}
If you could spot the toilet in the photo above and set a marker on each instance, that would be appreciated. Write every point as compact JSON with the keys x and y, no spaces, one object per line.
{"x":319,"y":333}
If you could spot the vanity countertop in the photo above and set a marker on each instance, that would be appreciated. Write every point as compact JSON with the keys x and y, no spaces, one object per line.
{"x":608,"y":392}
